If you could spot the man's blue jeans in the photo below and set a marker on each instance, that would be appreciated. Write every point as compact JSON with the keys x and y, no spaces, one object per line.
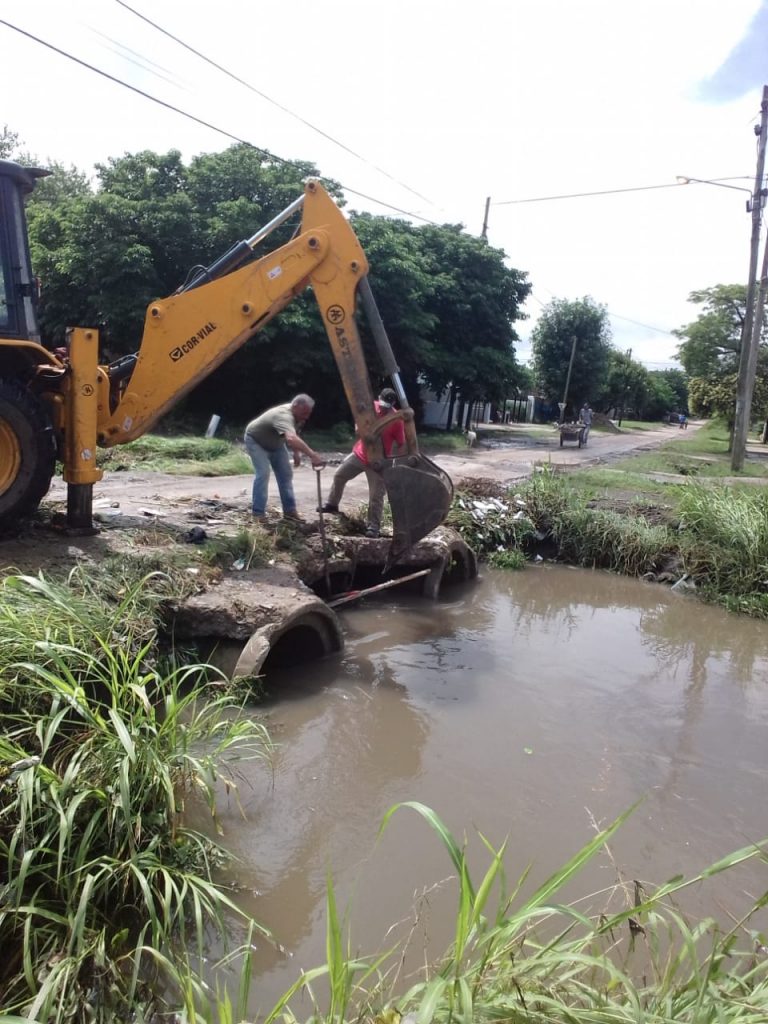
{"x":264,"y":460}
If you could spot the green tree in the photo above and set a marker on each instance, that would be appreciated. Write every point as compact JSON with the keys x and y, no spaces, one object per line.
{"x":715,"y":395}
{"x":660,"y":398}
{"x":667,"y":392}
{"x":476,"y":299}
{"x":626,"y":385}
{"x":9,"y":142}
{"x":96,"y":269}
{"x":105,"y":252}
{"x":63,"y":183}
{"x":711,"y":343}
{"x":677,"y":381}
{"x":562,"y":324}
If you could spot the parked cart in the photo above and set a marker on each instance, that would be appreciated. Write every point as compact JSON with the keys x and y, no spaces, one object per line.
{"x":572,"y":432}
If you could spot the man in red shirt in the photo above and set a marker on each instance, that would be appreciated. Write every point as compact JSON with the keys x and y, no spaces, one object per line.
{"x":393,"y":440}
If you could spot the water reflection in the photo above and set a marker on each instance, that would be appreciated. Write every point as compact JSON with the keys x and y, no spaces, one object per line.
{"x":513,"y":706}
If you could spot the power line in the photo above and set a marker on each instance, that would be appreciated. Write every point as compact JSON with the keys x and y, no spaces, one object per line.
{"x":581,"y":195}
{"x":138,"y":59}
{"x":613,"y":316}
{"x":616,"y":191}
{"x":638,"y":323}
{"x":198,"y":120}
{"x":280,"y":106}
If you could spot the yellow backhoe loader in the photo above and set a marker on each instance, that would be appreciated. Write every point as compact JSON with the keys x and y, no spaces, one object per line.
{"x":65,"y":406}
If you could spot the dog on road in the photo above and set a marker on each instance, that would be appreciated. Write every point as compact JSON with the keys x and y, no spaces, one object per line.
{"x":471,"y":436}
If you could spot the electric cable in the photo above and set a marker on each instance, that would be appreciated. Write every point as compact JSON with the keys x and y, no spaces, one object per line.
{"x":269,"y":99}
{"x":267,"y":154}
{"x":580,"y":195}
{"x":199,"y":120}
{"x":612,"y":315}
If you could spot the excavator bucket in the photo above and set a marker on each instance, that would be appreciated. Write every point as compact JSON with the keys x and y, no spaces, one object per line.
{"x":420,"y":494}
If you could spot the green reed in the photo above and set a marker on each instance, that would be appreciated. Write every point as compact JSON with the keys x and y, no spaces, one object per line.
{"x":103,"y":746}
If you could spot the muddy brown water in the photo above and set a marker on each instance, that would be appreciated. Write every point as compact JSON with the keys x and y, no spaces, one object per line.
{"x":523,"y":706}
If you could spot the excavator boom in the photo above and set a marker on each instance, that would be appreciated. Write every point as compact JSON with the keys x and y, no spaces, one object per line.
{"x":186,"y":336}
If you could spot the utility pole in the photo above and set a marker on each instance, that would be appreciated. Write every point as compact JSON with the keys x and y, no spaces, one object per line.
{"x":626,"y":388}
{"x":757,"y":324}
{"x":567,"y":380}
{"x":748,"y":355}
{"x":484,"y":232}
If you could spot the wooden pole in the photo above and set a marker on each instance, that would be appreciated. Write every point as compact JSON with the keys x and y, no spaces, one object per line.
{"x":748,"y":355}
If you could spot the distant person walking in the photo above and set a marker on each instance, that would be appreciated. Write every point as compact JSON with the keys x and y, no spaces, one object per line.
{"x":393,"y":440}
{"x":267,"y":440}
{"x":683,"y":421}
{"x":585,"y":417}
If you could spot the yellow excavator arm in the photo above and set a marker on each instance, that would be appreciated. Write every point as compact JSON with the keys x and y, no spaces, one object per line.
{"x":188,"y":334}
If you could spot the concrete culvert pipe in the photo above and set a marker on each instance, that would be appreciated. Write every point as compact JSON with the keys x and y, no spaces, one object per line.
{"x":443,"y":552}
{"x":255,"y":616}
{"x":305,"y":636}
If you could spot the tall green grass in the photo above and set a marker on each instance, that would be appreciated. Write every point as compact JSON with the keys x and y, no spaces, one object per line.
{"x":103,"y":745}
{"x":594,"y":537}
{"x":520,"y":954}
{"x":716,"y":537}
{"x":724,"y":534}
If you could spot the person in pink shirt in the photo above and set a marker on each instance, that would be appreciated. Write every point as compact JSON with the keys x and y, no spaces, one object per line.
{"x":393,"y":440}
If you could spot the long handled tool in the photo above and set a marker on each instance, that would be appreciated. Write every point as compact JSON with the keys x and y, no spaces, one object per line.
{"x":354,"y":595}
{"x":319,"y":470}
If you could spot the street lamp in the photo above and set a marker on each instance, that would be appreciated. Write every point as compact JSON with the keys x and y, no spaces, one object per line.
{"x":684,"y":179}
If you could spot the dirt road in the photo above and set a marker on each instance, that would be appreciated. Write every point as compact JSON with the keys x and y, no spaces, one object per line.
{"x":511,"y":458}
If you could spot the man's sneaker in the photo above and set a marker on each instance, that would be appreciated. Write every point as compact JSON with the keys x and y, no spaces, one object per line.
{"x":328,"y":507}
{"x":372,"y":531}
{"x":258,"y":517}
{"x":293,"y":516}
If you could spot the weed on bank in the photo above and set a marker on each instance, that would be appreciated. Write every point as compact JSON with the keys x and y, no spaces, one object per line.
{"x":103,"y":743}
{"x":710,"y":535}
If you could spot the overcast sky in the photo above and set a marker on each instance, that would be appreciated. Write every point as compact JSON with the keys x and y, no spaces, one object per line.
{"x":446,"y":103}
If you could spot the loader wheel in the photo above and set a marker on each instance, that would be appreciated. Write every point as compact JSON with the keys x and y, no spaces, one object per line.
{"x":27,"y":453}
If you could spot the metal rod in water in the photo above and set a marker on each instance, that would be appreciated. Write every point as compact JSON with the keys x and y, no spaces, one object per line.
{"x":353,"y":595}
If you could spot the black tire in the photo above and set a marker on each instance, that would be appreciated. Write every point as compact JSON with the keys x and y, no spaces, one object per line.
{"x":27,"y":453}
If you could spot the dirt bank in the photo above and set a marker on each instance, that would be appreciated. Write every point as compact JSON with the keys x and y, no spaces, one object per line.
{"x":172,"y":495}
{"x":129,"y":506}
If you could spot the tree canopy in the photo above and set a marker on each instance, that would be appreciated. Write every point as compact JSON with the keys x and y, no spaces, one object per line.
{"x":715,"y":395}
{"x":104,"y":252}
{"x":710,"y":350}
{"x":711,"y":343}
{"x":580,"y":326}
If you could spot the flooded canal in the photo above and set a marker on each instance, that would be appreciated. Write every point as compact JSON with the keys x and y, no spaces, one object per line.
{"x":525,"y":705}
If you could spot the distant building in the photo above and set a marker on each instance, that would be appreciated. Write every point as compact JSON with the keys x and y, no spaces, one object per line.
{"x":435,"y":410}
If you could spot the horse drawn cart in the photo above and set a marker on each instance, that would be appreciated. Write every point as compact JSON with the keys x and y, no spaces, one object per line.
{"x":572,"y":432}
